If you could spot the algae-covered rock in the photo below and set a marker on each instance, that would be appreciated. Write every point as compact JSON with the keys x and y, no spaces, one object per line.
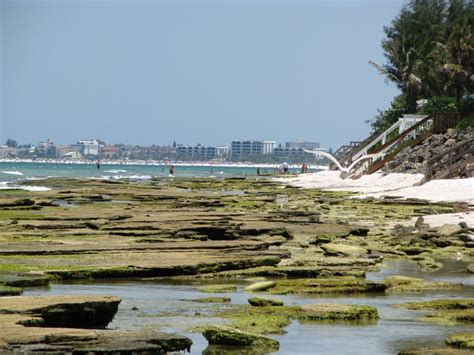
{"x":259,"y":320}
{"x":470,"y":268}
{"x":429,"y":264}
{"x":335,"y":312}
{"x":438,"y":320}
{"x":233,"y":337}
{"x":450,"y":312}
{"x":342,"y":249}
{"x":212,"y":300}
{"x":440,"y":304}
{"x":63,"y":311}
{"x":449,"y":229}
{"x":264,"y":302}
{"x":260,"y":286}
{"x":411,"y":284}
{"x":10,"y":291}
{"x":461,"y":340}
{"x":327,"y":285}
{"x":23,"y":279}
{"x":360,"y":232}
{"x":217,"y":288}
{"x":56,"y":324}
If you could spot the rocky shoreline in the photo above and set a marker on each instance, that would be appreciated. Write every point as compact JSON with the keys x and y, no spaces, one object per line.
{"x":65,"y":324}
{"x":276,"y":238}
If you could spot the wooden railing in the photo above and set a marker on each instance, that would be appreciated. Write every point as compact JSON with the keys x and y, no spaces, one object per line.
{"x":442,"y":121}
{"x":445,"y":165}
{"x":379,"y":164}
{"x":344,"y":149}
{"x":401,"y":136}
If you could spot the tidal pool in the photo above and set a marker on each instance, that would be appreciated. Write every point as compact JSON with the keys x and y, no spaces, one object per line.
{"x":166,"y":305}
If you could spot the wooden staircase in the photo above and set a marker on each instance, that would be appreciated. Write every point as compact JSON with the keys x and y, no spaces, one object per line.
{"x":451,"y":163}
{"x":438,"y":122}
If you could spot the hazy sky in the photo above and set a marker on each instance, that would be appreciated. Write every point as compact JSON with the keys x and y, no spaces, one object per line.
{"x":151,"y":72}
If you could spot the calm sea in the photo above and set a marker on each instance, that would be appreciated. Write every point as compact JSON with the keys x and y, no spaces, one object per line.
{"x":11,"y":172}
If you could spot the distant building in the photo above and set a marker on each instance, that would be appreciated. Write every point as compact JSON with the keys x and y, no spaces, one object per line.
{"x":222,"y":151}
{"x":288,"y":152}
{"x":200,"y":152}
{"x":47,"y":149}
{"x":303,"y":145}
{"x":89,"y":146}
{"x":109,"y":151}
{"x":64,"y":150}
{"x":73,"y":155}
{"x":44,"y":145}
{"x":248,"y":147}
{"x":8,"y":151}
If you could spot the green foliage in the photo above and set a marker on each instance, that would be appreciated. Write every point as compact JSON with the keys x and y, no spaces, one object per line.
{"x":467,"y":105}
{"x":386,"y":118}
{"x":430,"y":50}
{"x":11,"y":143}
{"x":467,"y":122}
{"x":439,"y":104}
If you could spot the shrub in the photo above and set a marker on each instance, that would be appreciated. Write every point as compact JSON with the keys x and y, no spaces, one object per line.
{"x":439,"y":104}
{"x":467,"y":105}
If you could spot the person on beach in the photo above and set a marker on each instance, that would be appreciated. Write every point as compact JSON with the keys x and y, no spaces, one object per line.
{"x":171,"y":170}
{"x":98,"y":164}
{"x":212,"y":170}
{"x":285,"y":168}
{"x":258,"y":171}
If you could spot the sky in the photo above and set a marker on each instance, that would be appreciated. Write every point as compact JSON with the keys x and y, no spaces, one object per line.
{"x":157,"y":71}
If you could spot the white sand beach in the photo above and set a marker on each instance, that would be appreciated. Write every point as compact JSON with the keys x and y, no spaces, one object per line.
{"x":397,"y":185}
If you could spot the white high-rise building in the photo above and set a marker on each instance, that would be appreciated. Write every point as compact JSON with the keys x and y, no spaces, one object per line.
{"x":246,"y":148}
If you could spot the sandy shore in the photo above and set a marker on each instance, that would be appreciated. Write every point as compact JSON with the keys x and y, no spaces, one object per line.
{"x":397,"y":185}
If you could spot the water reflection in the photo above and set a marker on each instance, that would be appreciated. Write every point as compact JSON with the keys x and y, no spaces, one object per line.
{"x":168,"y":306}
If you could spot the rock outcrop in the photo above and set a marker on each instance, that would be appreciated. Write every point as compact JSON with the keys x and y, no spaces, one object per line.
{"x":414,"y":159}
{"x":72,"y":324}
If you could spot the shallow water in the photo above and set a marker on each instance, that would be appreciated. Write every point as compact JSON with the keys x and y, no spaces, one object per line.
{"x":166,"y":305}
{"x":452,"y":271}
{"x":15,"y":171}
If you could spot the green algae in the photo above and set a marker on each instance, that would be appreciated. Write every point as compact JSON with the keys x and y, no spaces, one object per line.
{"x":212,"y":300}
{"x":442,"y":304}
{"x":335,"y":285}
{"x":434,"y":319}
{"x":233,"y":337}
{"x":264,"y":302}
{"x":260,"y":320}
{"x":10,"y":291}
{"x":217,"y":288}
{"x":461,"y":340}
{"x":410,"y":284}
{"x":450,"y":312}
{"x":337,"y":312}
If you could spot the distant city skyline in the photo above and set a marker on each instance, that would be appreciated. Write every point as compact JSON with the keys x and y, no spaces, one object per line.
{"x":154,"y":72}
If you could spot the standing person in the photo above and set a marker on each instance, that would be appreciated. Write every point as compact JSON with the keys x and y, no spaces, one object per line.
{"x":285,"y":168}
{"x":98,"y":164}
{"x":258,"y":171}
{"x":303,"y":167}
{"x":171,"y":170}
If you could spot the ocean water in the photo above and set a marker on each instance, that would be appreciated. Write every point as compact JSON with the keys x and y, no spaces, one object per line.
{"x":12,"y":172}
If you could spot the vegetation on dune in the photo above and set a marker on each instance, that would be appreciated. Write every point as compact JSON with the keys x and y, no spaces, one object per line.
{"x":429,"y":49}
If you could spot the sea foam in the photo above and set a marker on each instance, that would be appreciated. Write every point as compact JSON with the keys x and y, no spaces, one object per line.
{"x":13,"y":172}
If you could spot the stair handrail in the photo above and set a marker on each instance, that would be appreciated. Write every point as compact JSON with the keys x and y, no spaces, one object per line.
{"x":380,"y":137}
{"x":402,"y":135}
